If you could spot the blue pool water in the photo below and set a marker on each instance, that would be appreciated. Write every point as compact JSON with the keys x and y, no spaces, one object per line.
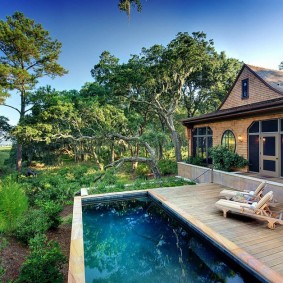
{"x":137,"y":241}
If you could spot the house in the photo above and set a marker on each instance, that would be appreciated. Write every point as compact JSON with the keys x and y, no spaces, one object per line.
{"x":249,"y":121}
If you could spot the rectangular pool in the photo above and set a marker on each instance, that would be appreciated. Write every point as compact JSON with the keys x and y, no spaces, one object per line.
{"x":128,"y":239}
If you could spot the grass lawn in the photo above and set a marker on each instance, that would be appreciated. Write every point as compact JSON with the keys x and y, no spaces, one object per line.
{"x":4,"y":154}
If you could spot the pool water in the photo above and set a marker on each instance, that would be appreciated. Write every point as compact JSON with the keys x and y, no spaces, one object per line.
{"x":137,"y":241}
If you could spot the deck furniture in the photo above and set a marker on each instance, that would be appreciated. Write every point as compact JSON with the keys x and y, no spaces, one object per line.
{"x":243,"y":196}
{"x":258,"y":210}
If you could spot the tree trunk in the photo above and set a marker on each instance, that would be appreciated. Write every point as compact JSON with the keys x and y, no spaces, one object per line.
{"x":112,"y":152}
{"x":152,"y":164}
{"x":160,"y":151}
{"x":155,"y":170}
{"x":175,"y":138}
{"x":177,"y":145}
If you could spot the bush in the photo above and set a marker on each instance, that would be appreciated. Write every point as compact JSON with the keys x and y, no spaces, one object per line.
{"x":195,"y":160}
{"x":51,"y":209}
{"x":44,"y":262}
{"x":31,"y":224}
{"x":226,"y":160}
{"x":167,"y":167}
{"x":13,"y":203}
{"x":142,"y":170}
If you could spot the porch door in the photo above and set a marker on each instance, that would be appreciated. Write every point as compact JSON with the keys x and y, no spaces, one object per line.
{"x":269,"y":155}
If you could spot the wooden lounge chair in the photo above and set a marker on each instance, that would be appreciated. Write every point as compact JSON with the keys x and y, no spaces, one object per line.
{"x":258,"y":210}
{"x":243,"y":196}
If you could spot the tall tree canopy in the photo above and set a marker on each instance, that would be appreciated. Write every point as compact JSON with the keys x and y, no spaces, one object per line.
{"x":27,"y":53}
{"x":186,"y":74}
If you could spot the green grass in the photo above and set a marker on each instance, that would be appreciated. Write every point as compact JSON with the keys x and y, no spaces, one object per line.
{"x":4,"y":154}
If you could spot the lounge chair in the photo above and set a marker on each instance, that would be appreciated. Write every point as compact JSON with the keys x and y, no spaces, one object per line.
{"x":258,"y":210}
{"x":243,"y":196}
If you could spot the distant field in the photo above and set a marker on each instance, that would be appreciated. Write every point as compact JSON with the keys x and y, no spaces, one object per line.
{"x":4,"y":153}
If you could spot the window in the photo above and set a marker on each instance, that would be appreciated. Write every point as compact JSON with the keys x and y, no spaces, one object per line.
{"x":202,"y":142}
{"x":269,"y":126}
{"x":228,"y":140}
{"x":245,"y":88}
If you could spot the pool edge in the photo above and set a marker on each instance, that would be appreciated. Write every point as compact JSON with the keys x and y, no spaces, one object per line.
{"x":76,"y":272}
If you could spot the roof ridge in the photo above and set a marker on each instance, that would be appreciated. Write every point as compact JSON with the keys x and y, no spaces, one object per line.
{"x":253,"y":66}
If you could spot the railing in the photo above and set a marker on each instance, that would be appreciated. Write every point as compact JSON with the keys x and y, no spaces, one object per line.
{"x":209,"y":169}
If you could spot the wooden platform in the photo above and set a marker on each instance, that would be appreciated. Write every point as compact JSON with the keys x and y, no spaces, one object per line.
{"x":242,"y":235}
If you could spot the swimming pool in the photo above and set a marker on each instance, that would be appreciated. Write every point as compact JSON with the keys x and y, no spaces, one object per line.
{"x":130,"y":239}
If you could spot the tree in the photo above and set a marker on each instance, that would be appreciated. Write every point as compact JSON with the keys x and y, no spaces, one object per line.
{"x":205,"y":89}
{"x":157,"y":78}
{"x":4,"y":128}
{"x":27,"y":53}
{"x":125,"y":5}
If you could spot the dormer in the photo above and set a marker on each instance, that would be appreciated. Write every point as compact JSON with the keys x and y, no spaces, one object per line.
{"x":253,"y":85}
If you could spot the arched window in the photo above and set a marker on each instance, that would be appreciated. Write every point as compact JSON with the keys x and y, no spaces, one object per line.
{"x":228,"y":140}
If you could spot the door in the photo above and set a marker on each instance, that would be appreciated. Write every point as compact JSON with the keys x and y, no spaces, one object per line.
{"x":269,"y":155}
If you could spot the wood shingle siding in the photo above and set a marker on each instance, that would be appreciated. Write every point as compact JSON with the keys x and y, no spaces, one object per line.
{"x":262,"y":87}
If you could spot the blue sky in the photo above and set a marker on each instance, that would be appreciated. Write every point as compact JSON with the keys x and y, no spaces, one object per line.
{"x":249,"y":30}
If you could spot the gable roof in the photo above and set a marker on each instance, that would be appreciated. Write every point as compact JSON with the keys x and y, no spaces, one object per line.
{"x":263,"y":107}
{"x":273,"y":79}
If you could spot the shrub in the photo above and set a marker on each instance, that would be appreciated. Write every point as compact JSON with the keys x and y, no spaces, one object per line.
{"x":13,"y":203}
{"x":31,"y":224}
{"x":51,"y":209}
{"x":44,"y":262}
{"x":47,"y":187}
{"x":226,"y":160}
{"x":142,"y":170}
{"x":167,"y":166}
{"x":195,"y":160}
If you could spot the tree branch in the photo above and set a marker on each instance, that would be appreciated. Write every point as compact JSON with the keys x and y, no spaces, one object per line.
{"x":11,"y":107}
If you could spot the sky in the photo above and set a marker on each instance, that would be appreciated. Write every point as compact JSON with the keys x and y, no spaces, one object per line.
{"x":248,"y":30}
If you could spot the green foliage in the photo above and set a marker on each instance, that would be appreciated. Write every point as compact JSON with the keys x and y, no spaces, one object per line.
{"x":34,"y":222}
{"x":44,"y":263}
{"x":4,"y":128}
{"x":13,"y":203}
{"x":167,"y":166}
{"x":52,"y":210}
{"x":38,"y":220}
{"x":31,"y":56}
{"x":142,"y":170}
{"x":3,"y":244}
{"x":226,"y":160}
{"x":109,"y":181}
{"x":58,"y":185}
{"x":195,"y":160}
{"x":4,"y":158}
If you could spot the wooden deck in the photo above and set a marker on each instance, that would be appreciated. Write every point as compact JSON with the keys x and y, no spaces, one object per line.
{"x":241,"y":235}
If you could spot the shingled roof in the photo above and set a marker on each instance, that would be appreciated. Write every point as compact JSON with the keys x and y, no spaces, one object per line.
{"x":273,"y":78}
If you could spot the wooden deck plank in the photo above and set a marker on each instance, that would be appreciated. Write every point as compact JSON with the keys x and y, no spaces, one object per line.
{"x":248,"y":234}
